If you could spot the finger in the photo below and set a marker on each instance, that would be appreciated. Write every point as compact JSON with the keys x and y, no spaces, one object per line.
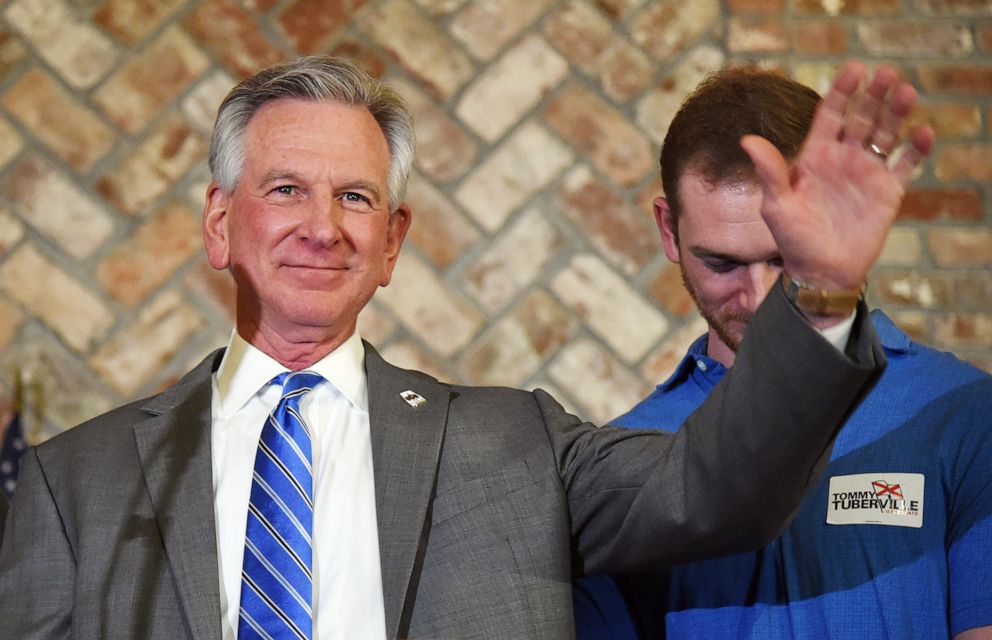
{"x":867,"y":105}
{"x":772,"y":169}
{"x":912,"y":154}
{"x":828,"y":123}
{"x":902,"y":98}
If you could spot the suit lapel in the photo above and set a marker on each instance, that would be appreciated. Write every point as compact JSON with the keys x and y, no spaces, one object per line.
{"x":174,"y":450}
{"x":406,"y":445}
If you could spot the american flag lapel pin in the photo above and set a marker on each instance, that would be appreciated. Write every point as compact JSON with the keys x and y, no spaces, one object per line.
{"x":413,"y":398}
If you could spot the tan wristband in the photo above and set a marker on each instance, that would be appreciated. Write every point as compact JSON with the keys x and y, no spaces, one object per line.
{"x":821,"y":302}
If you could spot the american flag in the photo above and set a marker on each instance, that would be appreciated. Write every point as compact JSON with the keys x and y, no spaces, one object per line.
{"x":10,"y":454}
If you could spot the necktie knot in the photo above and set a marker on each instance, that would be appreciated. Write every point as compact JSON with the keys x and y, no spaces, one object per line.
{"x":296,"y":384}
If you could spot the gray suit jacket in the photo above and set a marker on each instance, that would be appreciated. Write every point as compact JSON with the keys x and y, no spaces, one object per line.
{"x":489,"y":501}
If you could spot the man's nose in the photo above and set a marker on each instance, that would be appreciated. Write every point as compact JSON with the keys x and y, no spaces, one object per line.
{"x":322,"y":222}
{"x":759,"y":278}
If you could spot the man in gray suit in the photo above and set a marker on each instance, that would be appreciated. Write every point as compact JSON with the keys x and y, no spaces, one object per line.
{"x":438,"y":511}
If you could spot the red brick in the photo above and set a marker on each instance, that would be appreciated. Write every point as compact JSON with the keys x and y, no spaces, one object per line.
{"x":618,"y":9}
{"x":150,"y":81}
{"x":310,"y":25}
{"x":79,"y":53}
{"x":933,"y":204}
{"x":847,"y":7}
{"x":668,"y":289}
{"x":498,"y":99}
{"x":55,"y":205}
{"x":10,"y":321}
{"x":660,"y":364}
{"x":440,"y":8}
{"x":135,"y":355}
{"x":12,"y":52}
{"x":964,"y":329}
{"x":141,"y":264}
{"x":964,"y":162}
{"x":624,"y":72}
{"x":229,"y":32}
{"x":514,"y":260}
{"x":915,"y":38}
{"x":605,"y":388}
{"x":11,"y":231}
{"x":130,"y":21}
{"x":979,"y":8}
{"x":625,"y":236}
{"x":213,"y":286}
{"x":600,"y":132}
{"x":756,"y":6}
{"x":408,"y":355}
{"x":972,"y":290}
{"x":949,"y":120}
{"x":956,"y":78}
{"x":514,"y":348}
{"x":609,"y":306}
{"x":666,"y":29}
{"x":656,"y":109}
{"x":513,"y":174}
{"x":362,"y":55}
{"x":914,"y":324}
{"x":444,"y":150}
{"x":419,"y":45}
{"x":756,"y":34}
{"x":961,"y":246}
{"x":580,"y":32}
{"x":374,"y":325}
{"x":486,"y":26}
{"x":154,"y":166}
{"x":818,"y":37}
{"x":923,"y":290}
{"x":588,"y":40}
{"x":981,"y":360}
{"x":440,"y":230}
{"x":644,"y":200}
{"x":59,"y":119}
{"x":983,"y":35}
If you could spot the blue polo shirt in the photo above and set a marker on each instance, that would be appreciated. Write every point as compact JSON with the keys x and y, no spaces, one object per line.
{"x":894,"y":541}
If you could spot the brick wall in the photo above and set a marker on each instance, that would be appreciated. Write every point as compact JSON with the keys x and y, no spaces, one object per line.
{"x":533,"y":259}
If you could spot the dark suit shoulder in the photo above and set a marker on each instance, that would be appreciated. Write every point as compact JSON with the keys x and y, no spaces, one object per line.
{"x":106,"y":436}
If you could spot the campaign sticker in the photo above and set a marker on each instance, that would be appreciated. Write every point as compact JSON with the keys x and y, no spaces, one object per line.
{"x":894,"y":499}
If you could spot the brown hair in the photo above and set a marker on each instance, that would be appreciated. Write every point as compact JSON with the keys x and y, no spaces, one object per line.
{"x":705,"y":134}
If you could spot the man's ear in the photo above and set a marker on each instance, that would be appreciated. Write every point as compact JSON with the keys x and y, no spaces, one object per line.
{"x":396,"y":228}
{"x":215,"y":232}
{"x":667,"y":226}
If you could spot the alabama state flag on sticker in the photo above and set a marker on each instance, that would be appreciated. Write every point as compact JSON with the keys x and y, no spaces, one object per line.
{"x":894,"y":499}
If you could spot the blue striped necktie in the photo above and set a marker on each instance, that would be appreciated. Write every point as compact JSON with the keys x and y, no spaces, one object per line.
{"x":276,"y":579}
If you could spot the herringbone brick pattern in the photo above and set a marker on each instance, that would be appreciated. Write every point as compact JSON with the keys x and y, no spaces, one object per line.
{"x":533,"y":259}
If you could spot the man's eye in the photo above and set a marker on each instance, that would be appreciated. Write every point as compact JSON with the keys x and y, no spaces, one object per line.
{"x":721,"y":267}
{"x":285,"y":189}
{"x":351,"y":196}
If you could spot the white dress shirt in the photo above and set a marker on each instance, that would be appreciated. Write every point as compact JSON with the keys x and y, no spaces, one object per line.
{"x":347,"y":581}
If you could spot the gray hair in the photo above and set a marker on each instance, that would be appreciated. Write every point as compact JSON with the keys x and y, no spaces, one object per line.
{"x":316,"y":79}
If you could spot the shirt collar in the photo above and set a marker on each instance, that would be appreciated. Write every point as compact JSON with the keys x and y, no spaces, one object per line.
{"x":893,"y":339}
{"x":694,"y":358}
{"x":245,"y":370}
{"x":891,"y":336}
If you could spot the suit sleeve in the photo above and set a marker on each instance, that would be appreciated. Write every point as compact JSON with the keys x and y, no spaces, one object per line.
{"x":3,"y":514}
{"x":733,"y":475}
{"x":36,"y":558}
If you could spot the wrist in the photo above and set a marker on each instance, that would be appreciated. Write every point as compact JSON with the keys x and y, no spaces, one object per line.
{"x":822,"y":306}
